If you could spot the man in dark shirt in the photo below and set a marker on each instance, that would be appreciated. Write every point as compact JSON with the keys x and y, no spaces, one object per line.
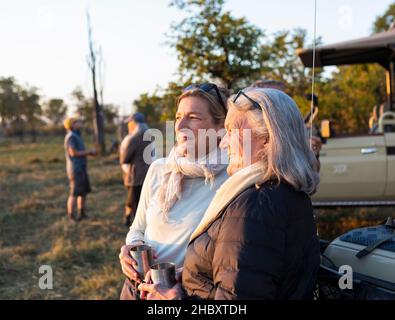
{"x":135,"y":162}
{"x":76,"y":167}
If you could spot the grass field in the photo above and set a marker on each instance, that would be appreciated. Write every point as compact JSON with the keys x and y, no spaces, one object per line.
{"x":34,"y":230}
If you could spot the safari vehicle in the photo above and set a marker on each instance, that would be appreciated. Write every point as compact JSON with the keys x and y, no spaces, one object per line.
{"x":359,"y":170}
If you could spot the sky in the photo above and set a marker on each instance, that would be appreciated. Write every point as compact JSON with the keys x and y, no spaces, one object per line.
{"x":44,"y":42}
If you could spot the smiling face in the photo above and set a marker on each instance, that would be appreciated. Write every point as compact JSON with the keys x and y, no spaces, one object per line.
{"x":244,"y":148}
{"x":193,"y":115}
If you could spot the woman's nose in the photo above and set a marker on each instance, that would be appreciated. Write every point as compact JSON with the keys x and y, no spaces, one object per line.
{"x":224,"y":141}
{"x":181,"y":124}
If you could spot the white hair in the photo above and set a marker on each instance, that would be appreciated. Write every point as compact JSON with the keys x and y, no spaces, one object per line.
{"x":287,"y":154}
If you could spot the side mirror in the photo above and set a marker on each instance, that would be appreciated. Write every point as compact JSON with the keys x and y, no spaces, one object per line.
{"x":325,"y":129}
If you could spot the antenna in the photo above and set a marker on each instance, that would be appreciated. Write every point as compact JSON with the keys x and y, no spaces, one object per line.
{"x":313,"y":72}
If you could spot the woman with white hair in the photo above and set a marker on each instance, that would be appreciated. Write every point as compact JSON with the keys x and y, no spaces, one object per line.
{"x":257,"y":239}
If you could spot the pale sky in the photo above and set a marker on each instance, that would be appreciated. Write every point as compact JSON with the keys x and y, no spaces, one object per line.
{"x":44,"y":43}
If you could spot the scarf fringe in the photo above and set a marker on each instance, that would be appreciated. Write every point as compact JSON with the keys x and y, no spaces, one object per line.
{"x":177,"y":168}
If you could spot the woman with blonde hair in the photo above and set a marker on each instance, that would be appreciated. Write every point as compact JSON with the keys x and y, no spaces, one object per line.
{"x":257,"y":239}
{"x":178,"y":189}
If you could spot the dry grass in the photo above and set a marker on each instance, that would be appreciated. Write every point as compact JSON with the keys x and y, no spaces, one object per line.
{"x":84,"y":257}
{"x":34,"y":229}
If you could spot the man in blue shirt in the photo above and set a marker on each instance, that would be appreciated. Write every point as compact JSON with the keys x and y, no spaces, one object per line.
{"x":76,"y":167}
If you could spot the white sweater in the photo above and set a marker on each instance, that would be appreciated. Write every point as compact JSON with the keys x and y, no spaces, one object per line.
{"x":170,"y":238}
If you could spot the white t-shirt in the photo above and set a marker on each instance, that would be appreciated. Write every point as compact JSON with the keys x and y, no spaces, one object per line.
{"x":170,"y":238}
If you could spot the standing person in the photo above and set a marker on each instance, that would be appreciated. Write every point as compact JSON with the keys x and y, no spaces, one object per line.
{"x":76,"y":167}
{"x":258,"y":238}
{"x":179,"y":188}
{"x":134,"y":166}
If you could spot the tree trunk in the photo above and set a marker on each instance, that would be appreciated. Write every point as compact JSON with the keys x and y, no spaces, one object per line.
{"x":98,"y":117}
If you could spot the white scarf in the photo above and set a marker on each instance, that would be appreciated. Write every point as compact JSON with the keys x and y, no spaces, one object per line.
{"x":178,"y":166}
{"x":231,"y":188}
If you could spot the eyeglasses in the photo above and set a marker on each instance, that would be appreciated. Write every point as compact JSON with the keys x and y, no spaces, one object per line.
{"x":207,"y":87}
{"x":254,"y":103}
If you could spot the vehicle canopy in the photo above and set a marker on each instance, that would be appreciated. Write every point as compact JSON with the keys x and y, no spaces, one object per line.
{"x":378,"y":48}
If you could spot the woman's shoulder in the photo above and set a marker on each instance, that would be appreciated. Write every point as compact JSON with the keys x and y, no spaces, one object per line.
{"x":267,"y":198}
{"x":271,"y":190}
{"x":158,"y":163}
{"x":156,"y":169}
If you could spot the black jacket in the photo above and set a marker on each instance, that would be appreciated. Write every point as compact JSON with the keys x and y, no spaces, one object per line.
{"x":263,"y":246}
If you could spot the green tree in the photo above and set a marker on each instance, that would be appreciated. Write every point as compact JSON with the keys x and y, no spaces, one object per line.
{"x":384,"y":21}
{"x":150,"y":106}
{"x":213,"y":45}
{"x":110,"y":112}
{"x":284,"y":65}
{"x":55,"y":110}
{"x":84,"y":106}
{"x":9,"y":100}
{"x":348,"y":98}
{"x":31,"y":109}
{"x":159,"y":106}
{"x":19,"y":107}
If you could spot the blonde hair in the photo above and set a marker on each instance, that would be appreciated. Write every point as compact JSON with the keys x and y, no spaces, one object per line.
{"x":287,"y":154}
{"x":216,"y":109}
{"x":68,"y":123}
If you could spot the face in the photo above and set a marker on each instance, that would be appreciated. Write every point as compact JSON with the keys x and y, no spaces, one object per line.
{"x":131,"y":126}
{"x":193,"y":115}
{"x":243,"y":146}
{"x":77,"y":125}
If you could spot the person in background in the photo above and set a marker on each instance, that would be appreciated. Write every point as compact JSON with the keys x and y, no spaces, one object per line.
{"x":134,"y":166}
{"x":76,"y":168}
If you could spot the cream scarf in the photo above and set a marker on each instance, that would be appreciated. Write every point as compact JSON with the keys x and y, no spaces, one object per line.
{"x":178,"y":167}
{"x":231,"y":188}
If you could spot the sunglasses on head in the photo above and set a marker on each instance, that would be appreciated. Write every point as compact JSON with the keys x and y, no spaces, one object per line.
{"x":207,"y":87}
{"x":254,"y":103}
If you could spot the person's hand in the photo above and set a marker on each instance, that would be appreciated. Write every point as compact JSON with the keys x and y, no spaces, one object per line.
{"x":128,"y":264}
{"x":156,"y":292}
{"x":150,"y":291}
{"x":93,"y":152}
{"x":316,"y":145}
